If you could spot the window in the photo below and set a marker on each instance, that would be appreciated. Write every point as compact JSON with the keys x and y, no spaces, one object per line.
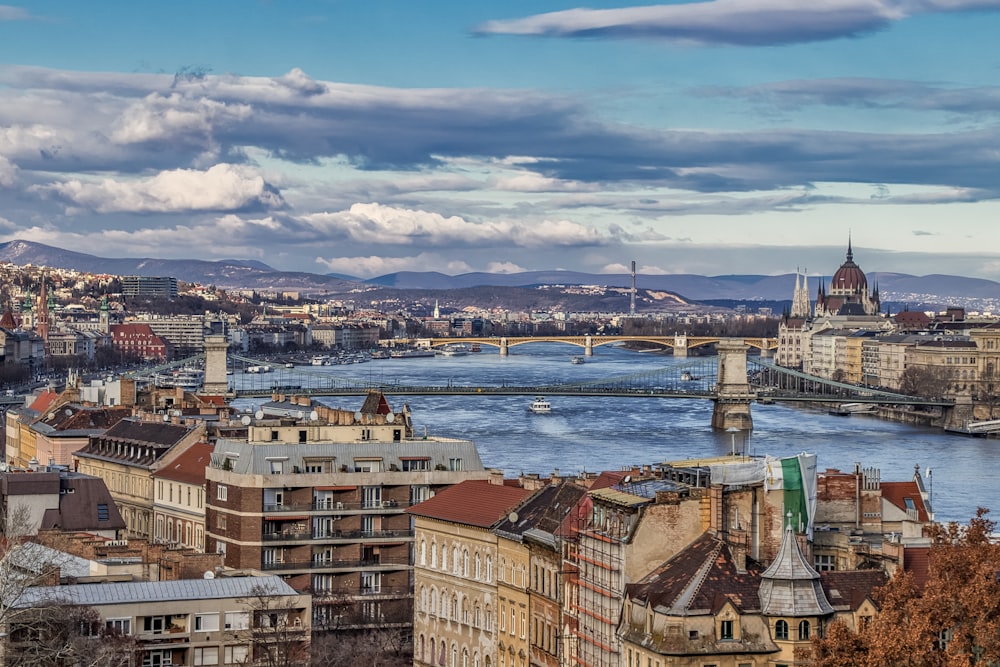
{"x":237,"y":620}
{"x":222,"y":492}
{"x":824,"y":563}
{"x":804,"y":630}
{"x":236,"y":655}
{"x":154,"y":624}
{"x":370,"y":582}
{"x":275,"y":467}
{"x":206,"y":622}
{"x":455,"y":464}
{"x":208,"y":655}
{"x":367,"y":465}
{"x":726,"y":630}
{"x":119,"y":626}
{"x":409,"y":465}
{"x":220,"y":521}
{"x":102,"y":512}
{"x":781,"y":630}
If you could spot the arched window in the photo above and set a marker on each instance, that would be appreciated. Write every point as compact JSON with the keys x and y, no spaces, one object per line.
{"x":444,"y":604}
{"x":475,"y":659}
{"x":454,"y":608}
{"x":803,"y":629}
{"x":434,"y":601}
{"x":444,"y":557}
{"x":487,"y":662}
{"x":489,"y":568}
{"x":478,"y":566}
{"x":465,"y":657}
{"x":489,"y":619}
{"x":454,"y":560}
{"x":423,"y":599}
{"x":454,"y":655}
{"x":781,"y":630}
{"x":423,"y":552}
{"x":434,"y":555}
{"x":465,"y":563}
{"x":421,"y":648}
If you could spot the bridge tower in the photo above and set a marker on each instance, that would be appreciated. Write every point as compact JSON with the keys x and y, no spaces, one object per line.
{"x":215,"y":382}
{"x":680,"y":345}
{"x":732,"y":402}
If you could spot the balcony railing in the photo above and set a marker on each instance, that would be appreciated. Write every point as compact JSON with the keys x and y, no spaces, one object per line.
{"x":284,"y":536}
{"x":333,"y":594}
{"x":338,"y":506}
{"x":325,"y":564}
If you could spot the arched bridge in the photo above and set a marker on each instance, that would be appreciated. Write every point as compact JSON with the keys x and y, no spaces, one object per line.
{"x":731,"y":379}
{"x":678,"y":343}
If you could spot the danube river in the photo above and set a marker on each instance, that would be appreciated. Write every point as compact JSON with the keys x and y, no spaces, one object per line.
{"x":609,"y":433}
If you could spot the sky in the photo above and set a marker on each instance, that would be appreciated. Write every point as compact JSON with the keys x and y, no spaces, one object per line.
{"x":368,"y":137}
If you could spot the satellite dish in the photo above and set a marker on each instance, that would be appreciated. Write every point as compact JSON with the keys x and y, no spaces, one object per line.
{"x":628,"y":479}
{"x":512,"y":517}
{"x":68,"y":412}
{"x":259,"y":414}
{"x":299,"y":414}
{"x":209,"y":574}
{"x":245,"y":420}
{"x":358,"y":415}
{"x":166,"y":417}
{"x":313,"y":416}
{"x":52,"y":415}
{"x":389,"y":418}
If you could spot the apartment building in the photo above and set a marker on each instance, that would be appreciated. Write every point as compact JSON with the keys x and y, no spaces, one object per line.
{"x":458,"y":618}
{"x":126,"y":456}
{"x":179,"y":498}
{"x":210,"y":621}
{"x":320,"y":495}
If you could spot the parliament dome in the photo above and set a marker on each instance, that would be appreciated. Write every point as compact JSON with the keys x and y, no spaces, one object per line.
{"x":849,"y":278}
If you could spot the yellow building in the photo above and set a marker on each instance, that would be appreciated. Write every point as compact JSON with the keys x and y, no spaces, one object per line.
{"x":456,"y":618}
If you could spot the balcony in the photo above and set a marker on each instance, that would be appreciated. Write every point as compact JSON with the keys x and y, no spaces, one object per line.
{"x":386,"y":563}
{"x":383,"y":506}
{"x":366,"y":593}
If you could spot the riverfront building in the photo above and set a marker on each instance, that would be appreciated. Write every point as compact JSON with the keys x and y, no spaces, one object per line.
{"x":320,"y":495}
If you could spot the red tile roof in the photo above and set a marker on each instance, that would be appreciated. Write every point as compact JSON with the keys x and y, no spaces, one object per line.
{"x":43,"y":401}
{"x":897,"y":493}
{"x":189,"y":467}
{"x":473,"y":502}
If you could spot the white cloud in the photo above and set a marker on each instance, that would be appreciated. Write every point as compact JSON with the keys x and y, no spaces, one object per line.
{"x":504,"y":267}
{"x":373,"y":265}
{"x":8,"y":172}
{"x":222,"y":187}
{"x":375,"y":223}
{"x":158,"y":117}
{"x":11,"y":13}
{"x":736,"y":22}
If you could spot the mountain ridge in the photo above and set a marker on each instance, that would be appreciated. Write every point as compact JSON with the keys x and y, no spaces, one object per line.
{"x":252,"y":274}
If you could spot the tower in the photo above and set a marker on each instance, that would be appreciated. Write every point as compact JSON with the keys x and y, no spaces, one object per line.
{"x":105,"y":316}
{"x":801,"y":306}
{"x":631,"y":305}
{"x":42,"y":320}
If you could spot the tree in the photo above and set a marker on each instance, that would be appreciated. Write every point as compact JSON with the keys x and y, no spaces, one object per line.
{"x":42,"y":626}
{"x":953,"y":620}
{"x":379,"y":647}
{"x":930,"y":382}
{"x":279,"y":634}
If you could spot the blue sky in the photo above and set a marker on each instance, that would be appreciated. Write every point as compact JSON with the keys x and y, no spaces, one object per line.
{"x":727,"y":136}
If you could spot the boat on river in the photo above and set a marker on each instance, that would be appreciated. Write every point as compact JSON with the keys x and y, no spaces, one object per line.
{"x":540,"y":405}
{"x":578,"y":359}
{"x":411,"y":354}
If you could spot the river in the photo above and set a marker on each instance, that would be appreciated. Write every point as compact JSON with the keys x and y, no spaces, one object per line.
{"x":609,"y":433}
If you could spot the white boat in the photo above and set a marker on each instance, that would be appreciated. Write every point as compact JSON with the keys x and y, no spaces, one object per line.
{"x":411,"y":354}
{"x":454,"y":350}
{"x":688,"y":377}
{"x":540,"y":405}
{"x":186,"y":378}
{"x":578,"y":359}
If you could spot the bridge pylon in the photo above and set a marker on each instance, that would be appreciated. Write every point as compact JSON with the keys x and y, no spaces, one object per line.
{"x":504,"y":350}
{"x":680,"y":345}
{"x":732,"y":403}
{"x":588,"y":347}
{"x":215,"y":382}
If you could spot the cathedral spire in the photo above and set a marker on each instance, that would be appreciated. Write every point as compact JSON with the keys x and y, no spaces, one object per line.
{"x":850,"y":252}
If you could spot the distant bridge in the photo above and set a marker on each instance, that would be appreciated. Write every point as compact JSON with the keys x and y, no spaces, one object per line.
{"x":731,"y":379}
{"x":680,"y":344}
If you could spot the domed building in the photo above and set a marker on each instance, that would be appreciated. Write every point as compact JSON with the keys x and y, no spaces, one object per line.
{"x":848,"y":293}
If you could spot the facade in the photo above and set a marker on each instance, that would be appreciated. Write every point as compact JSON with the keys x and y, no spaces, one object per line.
{"x":139,"y":341}
{"x":211,"y":621}
{"x":179,"y":498}
{"x":320,"y":495}
{"x":126,"y":456}
{"x":184,"y":334}
{"x":457,"y":617}
{"x":149,"y":287}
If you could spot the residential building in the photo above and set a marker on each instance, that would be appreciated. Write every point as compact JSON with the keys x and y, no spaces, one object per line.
{"x":126,"y":456}
{"x":320,"y":494}
{"x":149,"y":287}
{"x":211,"y":621}
{"x":184,"y":334}
{"x":139,"y":341}
{"x":457,"y":616}
{"x":57,"y":499}
{"x":179,"y":498}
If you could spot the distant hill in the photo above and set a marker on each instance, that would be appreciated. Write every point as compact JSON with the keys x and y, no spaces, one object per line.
{"x":899,"y":288}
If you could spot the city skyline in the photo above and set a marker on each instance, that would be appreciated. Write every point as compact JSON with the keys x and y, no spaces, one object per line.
{"x":717,"y":137}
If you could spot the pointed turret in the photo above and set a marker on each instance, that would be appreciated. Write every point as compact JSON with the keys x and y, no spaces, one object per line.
{"x":791,"y":587}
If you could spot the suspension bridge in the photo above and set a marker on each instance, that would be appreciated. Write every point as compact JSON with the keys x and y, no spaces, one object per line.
{"x":732,"y":379}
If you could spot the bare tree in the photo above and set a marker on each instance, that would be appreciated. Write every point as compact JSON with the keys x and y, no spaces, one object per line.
{"x":279,"y":629}
{"x":364,"y":648}
{"x":930,"y":382}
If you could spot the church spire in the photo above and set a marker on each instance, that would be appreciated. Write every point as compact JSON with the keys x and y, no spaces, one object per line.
{"x":850,"y":251}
